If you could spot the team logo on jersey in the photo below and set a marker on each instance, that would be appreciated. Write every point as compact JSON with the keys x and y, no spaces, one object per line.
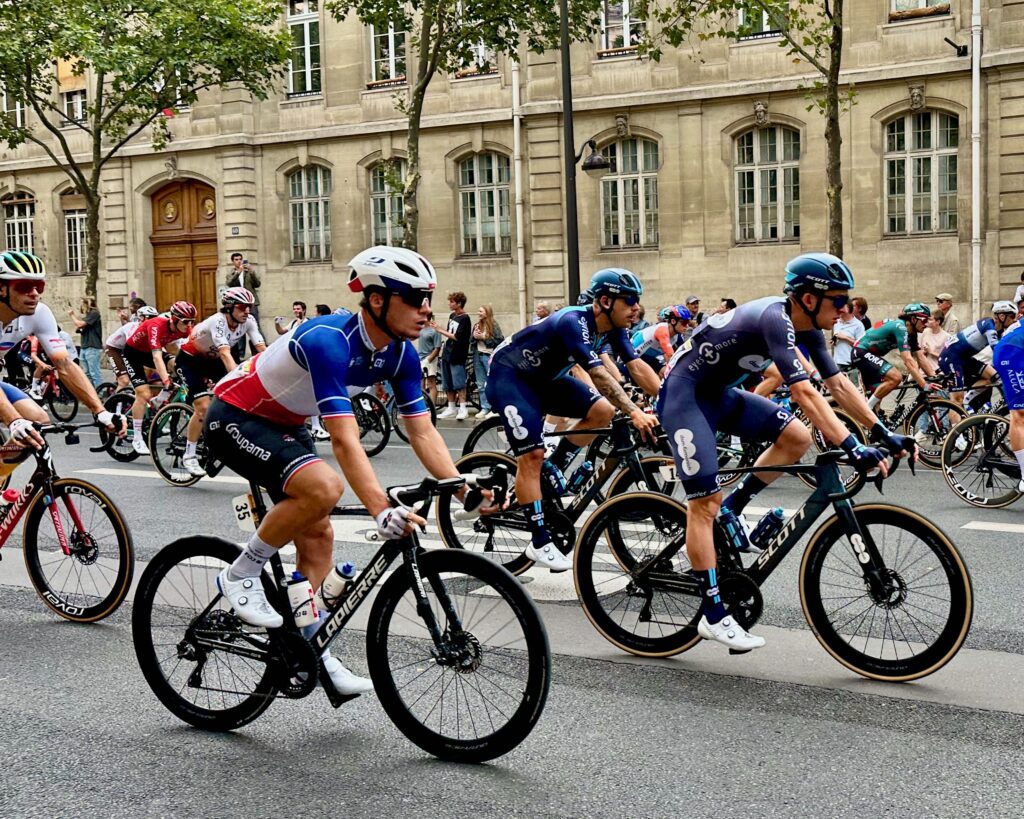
{"x":685,"y":449}
{"x":708,"y":353}
{"x":531,"y":358}
{"x":584,"y":330}
{"x":753,"y":363}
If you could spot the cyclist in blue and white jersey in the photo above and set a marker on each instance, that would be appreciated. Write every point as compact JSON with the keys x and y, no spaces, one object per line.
{"x":958,"y":357}
{"x":654,"y":342}
{"x":256,"y":425}
{"x":698,"y":398}
{"x":529,"y":377}
{"x":1008,"y":358}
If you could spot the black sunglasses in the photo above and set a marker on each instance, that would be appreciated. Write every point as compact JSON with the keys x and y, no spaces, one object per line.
{"x":415,"y":298}
{"x":839,"y":302}
{"x":631,"y":301}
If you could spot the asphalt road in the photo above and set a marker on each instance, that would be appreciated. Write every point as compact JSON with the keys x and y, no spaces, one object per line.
{"x":784,"y":731}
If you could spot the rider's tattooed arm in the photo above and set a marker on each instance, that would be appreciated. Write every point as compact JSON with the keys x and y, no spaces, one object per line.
{"x":612,"y":390}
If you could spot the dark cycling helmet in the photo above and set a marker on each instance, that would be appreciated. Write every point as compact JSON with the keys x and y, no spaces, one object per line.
{"x":615,"y":281}
{"x":817,"y":271}
{"x":238,"y":295}
{"x":1004,"y":307}
{"x":916,"y":310}
{"x":584,"y":298}
{"x":183,"y":310}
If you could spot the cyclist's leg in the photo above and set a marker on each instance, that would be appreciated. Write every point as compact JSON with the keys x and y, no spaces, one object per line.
{"x":25,"y":406}
{"x":1008,"y":359}
{"x":879,"y":375}
{"x":952,"y":365}
{"x":571,"y":398}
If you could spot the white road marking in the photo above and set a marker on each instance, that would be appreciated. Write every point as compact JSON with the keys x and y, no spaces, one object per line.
{"x":986,"y":526}
{"x":152,"y":473}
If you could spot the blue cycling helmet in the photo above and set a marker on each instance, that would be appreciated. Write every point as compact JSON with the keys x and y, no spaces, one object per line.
{"x":674,"y":311}
{"x":817,"y":272}
{"x":615,"y":281}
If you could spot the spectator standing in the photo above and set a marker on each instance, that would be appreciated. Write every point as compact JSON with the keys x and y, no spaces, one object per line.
{"x":242,"y":274}
{"x":454,"y":353}
{"x":944,"y":301}
{"x":860,"y":311}
{"x":1018,"y":296}
{"x":931,"y":341}
{"x":725,"y":306}
{"x":429,"y":348}
{"x":641,"y":322}
{"x":846,"y":332}
{"x":486,"y":336}
{"x":126,"y":316}
{"x":693,"y":305}
{"x":322,"y":310}
{"x":91,"y":329}
{"x":541,"y":312}
{"x":282,"y":325}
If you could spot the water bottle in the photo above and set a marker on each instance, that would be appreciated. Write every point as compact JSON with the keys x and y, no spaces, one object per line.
{"x":554,"y":477}
{"x":768,"y":526}
{"x":10,"y":497}
{"x":335,"y":585}
{"x":580,"y":476}
{"x":300,"y":598}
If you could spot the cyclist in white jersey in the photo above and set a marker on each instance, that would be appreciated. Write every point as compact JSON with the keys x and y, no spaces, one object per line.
{"x":114,"y":345}
{"x":22,"y":282}
{"x":206,"y":358}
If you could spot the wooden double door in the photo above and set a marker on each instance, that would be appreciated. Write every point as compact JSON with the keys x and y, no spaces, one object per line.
{"x":184,"y":240}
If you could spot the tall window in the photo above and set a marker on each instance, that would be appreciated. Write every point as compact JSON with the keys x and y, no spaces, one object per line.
{"x":12,"y":108}
{"x":19,"y":216}
{"x":755,"y":21}
{"x":768,"y":185}
{"x":309,"y":192}
{"x":304,"y":66}
{"x":74,"y":239}
{"x":74,"y":105}
{"x":619,"y":28}
{"x":629,"y":194}
{"x":387,"y":203}
{"x":388,"y":55}
{"x":483,"y":195}
{"x":921,"y":173}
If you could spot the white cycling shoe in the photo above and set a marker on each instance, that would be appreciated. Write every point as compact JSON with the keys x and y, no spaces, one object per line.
{"x":729,"y":633}
{"x":344,"y":681}
{"x":249,"y":601}
{"x":139,"y":445}
{"x":548,"y":557}
{"x":193,"y":467}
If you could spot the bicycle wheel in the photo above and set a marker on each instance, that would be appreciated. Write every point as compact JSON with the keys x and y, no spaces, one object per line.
{"x":167,"y":443}
{"x":660,"y":475}
{"x":850,"y":475}
{"x":929,"y":423}
{"x":502,"y":537}
{"x":978,"y":462}
{"x":487,"y":436}
{"x":91,"y":581}
{"x":916,"y":625}
{"x":210,"y":689}
{"x":374,"y":423}
{"x":482,"y":696}
{"x":120,"y":403}
{"x":62,"y":402}
{"x":653,"y":614}
{"x":106,"y":389}
{"x":398,"y":422}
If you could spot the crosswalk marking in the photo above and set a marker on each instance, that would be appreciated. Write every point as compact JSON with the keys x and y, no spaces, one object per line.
{"x":987,"y":526}
{"x":152,"y":473}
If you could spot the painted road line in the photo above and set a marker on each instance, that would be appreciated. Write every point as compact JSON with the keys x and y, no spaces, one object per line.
{"x":152,"y":473}
{"x":988,"y":526}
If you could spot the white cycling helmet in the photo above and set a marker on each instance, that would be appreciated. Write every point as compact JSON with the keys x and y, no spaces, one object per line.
{"x":395,"y":269}
{"x":1004,"y":307}
{"x":146,"y":312}
{"x":15,"y":264}
{"x":238,"y":295}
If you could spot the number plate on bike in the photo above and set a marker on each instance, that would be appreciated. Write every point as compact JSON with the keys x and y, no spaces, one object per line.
{"x":668,"y":472}
{"x":242,"y":510}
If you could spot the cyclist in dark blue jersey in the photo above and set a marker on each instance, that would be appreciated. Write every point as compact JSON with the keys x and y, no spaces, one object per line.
{"x":529,"y":377}
{"x":699,"y":397}
{"x":958,"y":357}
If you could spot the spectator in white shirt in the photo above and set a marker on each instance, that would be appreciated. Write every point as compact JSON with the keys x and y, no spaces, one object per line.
{"x":845,"y":333}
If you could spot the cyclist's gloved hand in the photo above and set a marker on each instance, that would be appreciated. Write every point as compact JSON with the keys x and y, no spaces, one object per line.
{"x":864,"y":458}
{"x":893,"y":442}
{"x":115,"y":423}
{"x":23,"y":432}
{"x":391,"y":523}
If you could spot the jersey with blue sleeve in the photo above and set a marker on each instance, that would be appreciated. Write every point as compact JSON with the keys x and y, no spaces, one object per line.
{"x":309,"y":370}
{"x":973,"y":339}
{"x":548,"y":350}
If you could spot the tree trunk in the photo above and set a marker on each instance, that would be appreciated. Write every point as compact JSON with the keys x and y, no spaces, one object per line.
{"x":412,"y":176}
{"x":833,"y":137}
{"x":93,"y":201}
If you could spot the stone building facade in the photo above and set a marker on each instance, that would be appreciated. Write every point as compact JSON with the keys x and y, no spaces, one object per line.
{"x":719,"y":170}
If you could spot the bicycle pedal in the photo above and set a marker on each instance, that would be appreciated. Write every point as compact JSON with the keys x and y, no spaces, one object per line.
{"x":740,"y":651}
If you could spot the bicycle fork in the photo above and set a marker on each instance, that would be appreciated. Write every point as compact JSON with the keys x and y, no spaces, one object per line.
{"x":865,"y":551}
{"x":445,"y":651}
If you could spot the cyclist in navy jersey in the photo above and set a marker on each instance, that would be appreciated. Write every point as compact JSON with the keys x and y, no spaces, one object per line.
{"x":958,"y":357}
{"x":529,"y":377}
{"x":256,"y":426}
{"x":699,"y":398}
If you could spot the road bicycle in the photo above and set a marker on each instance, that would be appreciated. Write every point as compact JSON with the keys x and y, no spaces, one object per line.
{"x":456,"y":648}
{"x":503,"y":536}
{"x":883,"y":589}
{"x":978,"y":462}
{"x":120,"y":403}
{"x":373,"y":419}
{"x":77,"y":547}
{"x":167,"y":438}
{"x":398,"y":422}
{"x":62,"y":403}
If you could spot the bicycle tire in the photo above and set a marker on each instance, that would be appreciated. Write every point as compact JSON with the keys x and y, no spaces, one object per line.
{"x":170,"y":612}
{"x":487,"y":436}
{"x":390,"y":647}
{"x":852,"y":478}
{"x":101,"y":554}
{"x":374,"y":423}
{"x":821,"y":588}
{"x":167,"y":440}
{"x":984,"y":472}
{"x":623,"y":481}
{"x":603,"y":572}
{"x":62,"y":402}
{"x":398,"y":422}
{"x":106,"y":389}
{"x":120,"y":449}
{"x":942,"y":415}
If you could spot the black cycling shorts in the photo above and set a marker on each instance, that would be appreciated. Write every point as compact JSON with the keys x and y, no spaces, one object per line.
{"x":200,"y":373}
{"x":871,"y":366}
{"x":257,"y":449}
{"x":136,"y":363}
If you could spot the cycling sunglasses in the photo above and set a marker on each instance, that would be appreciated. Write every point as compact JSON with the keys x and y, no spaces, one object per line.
{"x":416,"y":298}
{"x":631,"y":301}
{"x":26,"y":286}
{"x":839,"y":302}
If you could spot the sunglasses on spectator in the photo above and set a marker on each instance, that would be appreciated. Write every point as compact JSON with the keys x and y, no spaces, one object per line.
{"x":417,"y":298}
{"x":26,"y":286}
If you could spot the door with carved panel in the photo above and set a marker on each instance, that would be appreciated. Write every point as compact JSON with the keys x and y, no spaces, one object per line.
{"x":184,"y":240}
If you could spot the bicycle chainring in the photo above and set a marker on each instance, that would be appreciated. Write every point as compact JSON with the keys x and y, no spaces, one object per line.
{"x":742,"y":598}
{"x":294,"y":664}
{"x":563,"y":533}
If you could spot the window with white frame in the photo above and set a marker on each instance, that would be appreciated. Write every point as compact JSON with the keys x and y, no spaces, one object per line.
{"x":755,"y":21}
{"x":74,"y":240}
{"x":175,"y":77}
{"x":921,"y":173}
{"x":387,"y":202}
{"x":387,"y":49}
{"x":629,"y":194}
{"x":912,"y":5}
{"x":309,"y":203}
{"x":620,"y":29}
{"x":484,"y":204}
{"x":19,"y":218}
{"x":74,"y":105}
{"x":484,"y":60}
{"x":768,"y":185}
{"x":304,"y":65}
{"x":12,"y":109}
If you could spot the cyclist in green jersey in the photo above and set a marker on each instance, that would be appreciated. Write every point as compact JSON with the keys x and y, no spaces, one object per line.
{"x":899,"y":334}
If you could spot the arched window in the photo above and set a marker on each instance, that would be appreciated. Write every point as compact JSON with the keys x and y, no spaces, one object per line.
{"x":484,"y":204}
{"x":73,"y":206}
{"x":309,"y":202}
{"x":387,"y":202}
{"x":768,"y":185}
{"x":921,"y":173}
{"x":19,"y":219}
{"x":629,"y":194}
